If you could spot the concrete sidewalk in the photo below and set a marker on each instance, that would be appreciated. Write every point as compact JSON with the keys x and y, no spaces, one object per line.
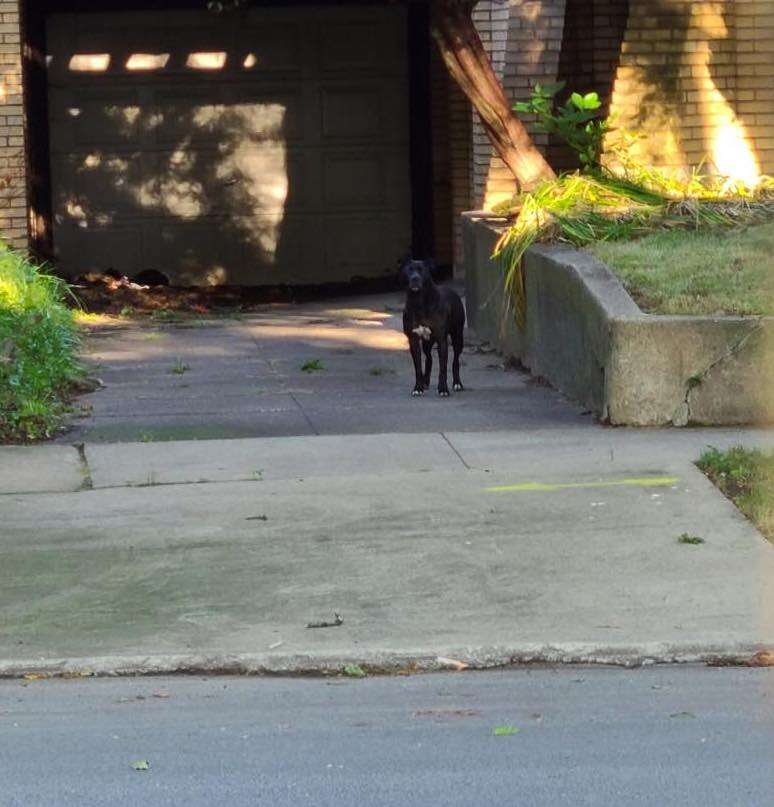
{"x":556,"y":545}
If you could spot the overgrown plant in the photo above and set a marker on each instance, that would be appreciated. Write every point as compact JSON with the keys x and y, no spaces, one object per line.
{"x":577,"y":121}
{"x":38,"y":346}
{"x":598,"y":204}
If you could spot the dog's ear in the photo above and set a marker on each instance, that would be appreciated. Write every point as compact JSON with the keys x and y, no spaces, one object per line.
{"x":429,"y":266}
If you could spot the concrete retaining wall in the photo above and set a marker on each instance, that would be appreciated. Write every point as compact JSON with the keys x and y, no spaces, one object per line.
{"x":585,"y":334}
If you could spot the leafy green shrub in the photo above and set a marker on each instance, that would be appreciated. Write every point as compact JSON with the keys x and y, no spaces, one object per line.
{"x":577,"y":122}
{"x":38,"y":345}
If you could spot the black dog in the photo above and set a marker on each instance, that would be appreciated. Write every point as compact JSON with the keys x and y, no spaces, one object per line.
{"x":432,"y":315}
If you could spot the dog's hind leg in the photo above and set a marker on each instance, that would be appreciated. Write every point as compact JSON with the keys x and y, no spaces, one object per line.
{"x":457,"y":344}
{"x":443,"y":366}
{"x":427,"y":346}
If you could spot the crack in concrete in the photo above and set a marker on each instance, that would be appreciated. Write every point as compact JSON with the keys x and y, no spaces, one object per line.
{"x":453,"y":448}
{"x":682,"y":416}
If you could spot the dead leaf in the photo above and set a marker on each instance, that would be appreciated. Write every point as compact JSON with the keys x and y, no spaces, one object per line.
{"x":141,"y":765}
{"x":505,"y":731}
{"x":452,"y":662}
{"x":765,"y":658}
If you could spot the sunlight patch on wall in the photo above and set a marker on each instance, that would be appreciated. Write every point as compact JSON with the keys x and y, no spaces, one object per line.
{"x":669,"y":92}
{"x":90,"y":62}
{"x":206,"y":60}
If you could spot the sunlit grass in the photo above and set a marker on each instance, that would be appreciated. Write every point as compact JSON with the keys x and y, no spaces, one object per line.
{"x":38,"y":345}
{"x":698,"y":272}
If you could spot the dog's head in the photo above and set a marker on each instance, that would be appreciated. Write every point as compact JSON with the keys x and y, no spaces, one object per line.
{"x":417,"y":274}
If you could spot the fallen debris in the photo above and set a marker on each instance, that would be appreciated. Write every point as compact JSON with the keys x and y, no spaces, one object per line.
{"x":337,"y":620}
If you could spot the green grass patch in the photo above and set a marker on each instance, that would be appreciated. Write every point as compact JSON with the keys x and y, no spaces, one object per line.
{"x":697,"y":272}
{"x":746,"y":476}
{"x":38,"y":348}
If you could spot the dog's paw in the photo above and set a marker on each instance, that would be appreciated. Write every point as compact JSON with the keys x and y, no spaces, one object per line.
{"x":458,"y":387}
{"x":443,"y":392}
{"x":417,"y":391}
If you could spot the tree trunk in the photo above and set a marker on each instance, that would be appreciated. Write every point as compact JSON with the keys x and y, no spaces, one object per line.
{"x":463,"y":52}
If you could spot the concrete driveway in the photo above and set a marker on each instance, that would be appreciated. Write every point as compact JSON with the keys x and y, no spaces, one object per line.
{"x":243,"y":377}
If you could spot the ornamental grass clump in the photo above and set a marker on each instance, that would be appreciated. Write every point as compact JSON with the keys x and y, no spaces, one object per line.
{"x":599,"y":206}
{"x":38,"y":347}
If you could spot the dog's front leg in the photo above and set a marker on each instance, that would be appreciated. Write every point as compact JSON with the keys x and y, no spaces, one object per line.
{"x":427,"y":347}
{"x":443,"y":366}
{"x":415,"y":346}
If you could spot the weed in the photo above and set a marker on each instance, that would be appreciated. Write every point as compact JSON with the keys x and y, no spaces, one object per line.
{"x":179,"y":367}
{"x":685,"y":538}
{"x":377,"y":371}
{"x":312,"y":366}
{"x":151,"y":336}
{"x":257,"y":476}
{"x":354,"y":671}
{"x":146,"y":437}
{"x":126,"y":311}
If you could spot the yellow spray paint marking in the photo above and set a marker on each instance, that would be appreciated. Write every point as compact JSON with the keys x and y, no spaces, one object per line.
{"x":634,"y":482}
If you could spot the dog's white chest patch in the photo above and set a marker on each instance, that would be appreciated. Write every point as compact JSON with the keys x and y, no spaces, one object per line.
{"x":423,"y":332}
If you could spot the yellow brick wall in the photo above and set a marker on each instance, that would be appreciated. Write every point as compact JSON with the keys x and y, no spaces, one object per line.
{"x":523,"y":39}
{"x":754,"y":29}
{"x":13,"y":179}
{"x":695,"y":82}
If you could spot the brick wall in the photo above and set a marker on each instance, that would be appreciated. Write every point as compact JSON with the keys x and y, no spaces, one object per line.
{"x":754,"y":92}
{"x":523,"y":39}
{"x":695,"y":79}
{"x":13,"y":180}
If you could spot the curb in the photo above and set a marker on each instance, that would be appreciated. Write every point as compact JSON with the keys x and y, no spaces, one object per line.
{"x":377,"y":663}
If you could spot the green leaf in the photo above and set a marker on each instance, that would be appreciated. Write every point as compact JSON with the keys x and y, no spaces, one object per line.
{"x":591,"y":101}
{"x":141,"y":765}
{"x":505,"y":731}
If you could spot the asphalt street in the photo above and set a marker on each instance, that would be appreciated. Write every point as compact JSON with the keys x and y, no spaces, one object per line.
{"x":534,"y":736}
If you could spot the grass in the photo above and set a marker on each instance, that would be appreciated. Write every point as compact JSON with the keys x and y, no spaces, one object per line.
{"x":38,"y":348}
{"x":697,"y":272}
{"x":582,"y":209}
{"x":746,"y":476}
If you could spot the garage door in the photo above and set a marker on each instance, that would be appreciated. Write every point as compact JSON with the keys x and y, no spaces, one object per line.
{"x":268,"y":147}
